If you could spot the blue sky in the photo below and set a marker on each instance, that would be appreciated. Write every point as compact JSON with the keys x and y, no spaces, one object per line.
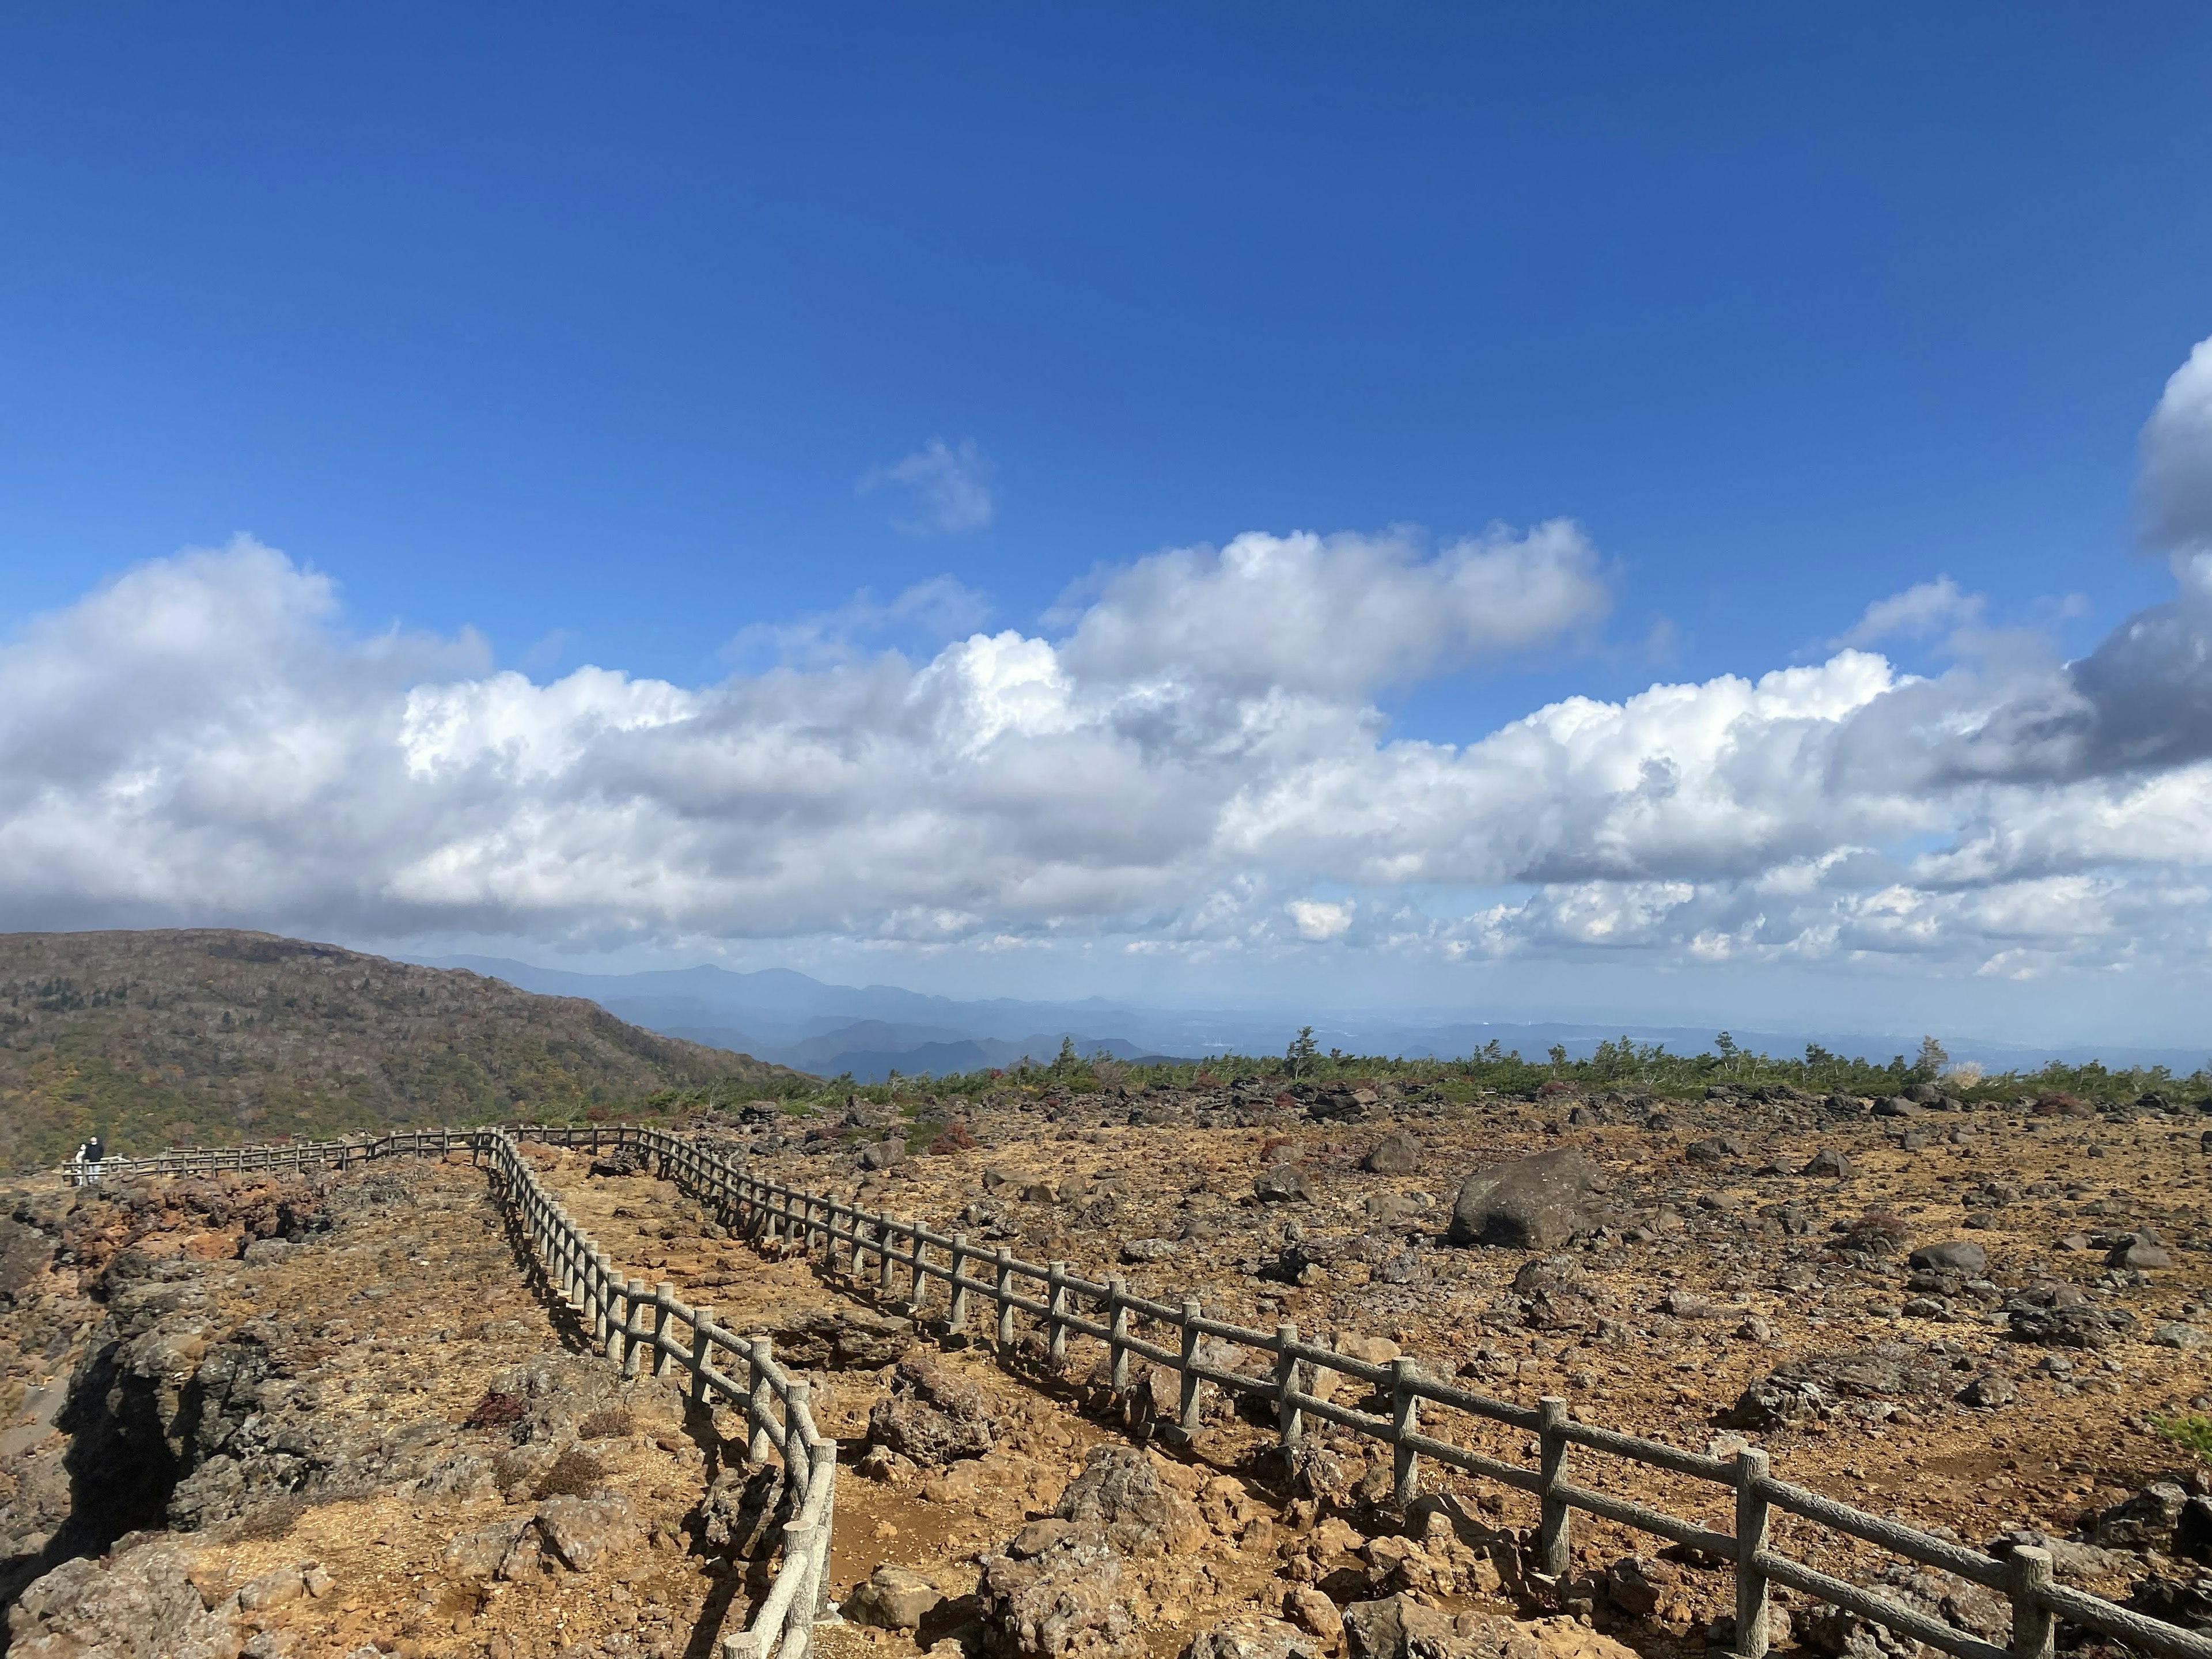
{"x":636,"y":337}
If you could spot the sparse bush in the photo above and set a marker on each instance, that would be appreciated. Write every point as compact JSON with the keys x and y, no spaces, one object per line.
{"x":608,"y":1422}
{"x":496,"y":1409}
{"x":511,"y":1469}
{"x":956,"y":1139}
{"x":2191,"y":1432}
{"x":575,"y":1474}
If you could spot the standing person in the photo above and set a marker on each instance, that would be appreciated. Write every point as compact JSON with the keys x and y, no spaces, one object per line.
{"x":93,"y":1155}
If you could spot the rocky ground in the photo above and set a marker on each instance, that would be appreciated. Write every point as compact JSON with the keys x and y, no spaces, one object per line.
{"x":331,"y":1416}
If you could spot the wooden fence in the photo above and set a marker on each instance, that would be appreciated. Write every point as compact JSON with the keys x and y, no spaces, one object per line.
{"x":634,"y":1327}
{"x":906,"y":1260}
{"x":638,"y":1328}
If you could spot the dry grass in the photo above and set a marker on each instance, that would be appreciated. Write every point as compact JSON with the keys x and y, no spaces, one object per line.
{"x":575,"y":1474}
{"x":608,"y":1422}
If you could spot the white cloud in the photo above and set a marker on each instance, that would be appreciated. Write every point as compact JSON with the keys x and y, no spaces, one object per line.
{"x":1921,"y":611}
{"x":949,"y":484}
{"x":1339,"y":614}
{"x":1190,"y":752}
{"x":2174,"y":489}
{"x":1316,"y":919}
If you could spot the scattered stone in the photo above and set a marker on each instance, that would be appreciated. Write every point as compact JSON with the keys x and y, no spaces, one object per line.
{"x":1252,"y":1636}
{"x":1961,"y":1255}
{"x":1396,"y":1153}
{"x":1714,"y":1149}
{"x":1988,"y":1391}
{"x":893,"y":1598}
{"x":2141,"y":1251}
{"x":1281,"y":1184}
{"x":2175,"y":1334}
{"x":1135,"y":1251}
{"x":1897,"y":1106}
{"x":1311,"y":1611}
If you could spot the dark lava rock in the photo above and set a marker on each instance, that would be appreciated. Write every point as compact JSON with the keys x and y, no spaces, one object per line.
{"x":1281,"y":1184}
{"x":1823,"y":1385}
{"x":1531,"y":1204}
{"x":1958,"y":1255}
{"x":1714,"y":1149}
{"x":1832,"y":1164}
{"x":934,"y":1415}
{"x":1396,"y":1153}
{"x":843,"y":1339}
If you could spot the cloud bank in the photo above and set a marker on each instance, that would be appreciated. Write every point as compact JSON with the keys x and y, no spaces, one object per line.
{"x":1188,"y":756}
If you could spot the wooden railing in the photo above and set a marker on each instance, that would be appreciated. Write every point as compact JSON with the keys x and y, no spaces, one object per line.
{"x":634,"y":1327}
{"x":903,"y":1257}
{"x":638,"y":1328}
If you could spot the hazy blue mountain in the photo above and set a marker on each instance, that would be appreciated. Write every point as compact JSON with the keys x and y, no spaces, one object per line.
{"x":778,"y":1015}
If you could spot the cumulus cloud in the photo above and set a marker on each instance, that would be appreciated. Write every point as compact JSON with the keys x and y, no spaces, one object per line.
{"x":2175,"y":487}
{"x":1188,"y":749}
{"x":948,"y":487}
{"x":1335,"y":615}
{"x":1922,"y":610}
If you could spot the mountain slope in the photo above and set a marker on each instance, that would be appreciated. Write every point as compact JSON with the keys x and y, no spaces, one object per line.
{"x":204,"y":1034}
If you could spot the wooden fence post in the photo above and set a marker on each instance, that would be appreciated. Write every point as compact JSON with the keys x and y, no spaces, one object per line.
{"x":798,"y":1456}
{"x":884,"y":1253}
{"x":703,"y":1352}
{"x":1055,"y":1319}
{"x":1553,"y":1545}
{"x":956,"y":1317}
{"x":1753,"y":1523}
{"x":918,"y":1293}
{"x":1405,"y":1421}
{"x":634,"y":1325}
{"x":1187,"y":1412}
{"x":664,"y":1298}
{"x":758,"y":1446}
{"x":1117,"y":1335}
{"x":1003,"y":1286}
{"x":2033,"y":1629}
{"x":1290,"y":1421}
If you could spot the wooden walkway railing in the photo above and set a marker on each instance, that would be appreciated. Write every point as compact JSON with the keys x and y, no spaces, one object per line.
{"x":634,"y":1327}
{"x":905,"y":1256}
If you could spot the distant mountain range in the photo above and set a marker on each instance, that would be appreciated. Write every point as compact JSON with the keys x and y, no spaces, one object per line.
{"x":776,"y":1014}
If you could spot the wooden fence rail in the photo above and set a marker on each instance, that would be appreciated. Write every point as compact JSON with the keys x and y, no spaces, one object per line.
{"x":908,"y":1257}
{"x":911,"y":1258}
{"x":635,"y":1327}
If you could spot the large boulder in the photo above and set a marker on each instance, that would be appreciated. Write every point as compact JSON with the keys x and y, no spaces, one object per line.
{"x":140,"y":1605}
{"x":1396,"y":1153}
{"x":1531,"y":1204}
{"x":1252,"y":1636}
{"x":893,"y":1597}
{"x":843,"y":1339}
{"x":1955,"y":1255}
{"x":1121,"y":1495}
{"x":933,"y":1415}
{"x":1066,"y":1599}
